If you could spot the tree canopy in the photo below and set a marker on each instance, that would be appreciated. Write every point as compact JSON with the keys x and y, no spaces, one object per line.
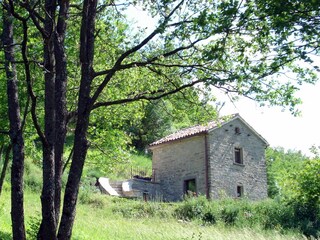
{"x":82,"y":64}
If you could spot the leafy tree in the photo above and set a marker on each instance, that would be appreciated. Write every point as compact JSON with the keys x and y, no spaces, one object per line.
{"x":305,"y":196}
{"x":307,"y":189}
{"x":294,"y":180}
{"x":229,"y":45}
{"x":280,"y":165}
{"x":164,"y":116}
{"x":315,"y":150}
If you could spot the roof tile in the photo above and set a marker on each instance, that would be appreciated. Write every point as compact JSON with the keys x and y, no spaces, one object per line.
{"x":186,"y":132}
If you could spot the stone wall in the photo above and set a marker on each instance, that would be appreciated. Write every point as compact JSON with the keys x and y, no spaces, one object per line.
{"x":225,"y":175}
{"x":178,"y":161}
{"x":146,"y":190}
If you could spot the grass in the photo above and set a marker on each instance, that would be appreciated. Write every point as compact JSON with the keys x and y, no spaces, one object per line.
{"x":139,"y":164}
{"x":105,"y":217}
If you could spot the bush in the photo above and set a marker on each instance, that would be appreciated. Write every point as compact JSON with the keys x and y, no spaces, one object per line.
{"x":271,"y":214}
{"x":229,"y":214}
{"x":192,"y":208}
{"x":89,"y":195}
{"x":33,"y":227}
{"x":209,"y":217}
{"x":307,"y":218}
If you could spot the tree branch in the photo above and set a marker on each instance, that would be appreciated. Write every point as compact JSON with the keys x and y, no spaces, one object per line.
{"x":34,"y":15}
{"x":146,"y":96}
{"x":29,"y":84}
{"x":150,"y":61}
{"x":129,"y":52}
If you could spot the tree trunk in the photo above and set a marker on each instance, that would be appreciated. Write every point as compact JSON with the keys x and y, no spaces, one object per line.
{"x":17,"y":210}
{"x":60,"y":100}
{"x":48,"y":225}
{"x":84,"y":103}
{"x":5,"y":166}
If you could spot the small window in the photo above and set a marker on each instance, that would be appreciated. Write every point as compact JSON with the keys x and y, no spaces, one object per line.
{"x":238,"y":155}
{"x":237,"y":130}
{"x":239,"y":191}
{"x":190,"y":187}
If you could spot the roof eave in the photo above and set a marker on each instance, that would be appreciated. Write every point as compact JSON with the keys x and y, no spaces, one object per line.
{"x":151,"y":147}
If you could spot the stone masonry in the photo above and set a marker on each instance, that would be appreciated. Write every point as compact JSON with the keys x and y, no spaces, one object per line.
{"x":206,"y":156}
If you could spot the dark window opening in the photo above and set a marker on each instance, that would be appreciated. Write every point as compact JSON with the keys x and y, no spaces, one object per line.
{"x":237,"y":130}
{"x":238,"y":155}
{"x":239,"y":191}
{"x":190,"y":187}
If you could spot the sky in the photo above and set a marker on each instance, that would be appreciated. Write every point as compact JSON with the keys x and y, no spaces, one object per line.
{"x":280,"y":128}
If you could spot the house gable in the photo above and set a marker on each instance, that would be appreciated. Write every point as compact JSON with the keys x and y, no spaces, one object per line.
{"x":227,"y":156}
{"x":199,"y":129}
{"x":233,"y":140}
{"x":244,"y":125}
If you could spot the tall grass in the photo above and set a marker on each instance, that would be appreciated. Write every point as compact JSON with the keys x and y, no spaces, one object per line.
{"x":105,"y":217}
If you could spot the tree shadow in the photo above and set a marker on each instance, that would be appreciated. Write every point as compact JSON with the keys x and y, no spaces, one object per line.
{"x":5,"y":236}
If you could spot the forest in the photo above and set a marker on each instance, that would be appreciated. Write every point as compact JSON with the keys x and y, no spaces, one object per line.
{"x":84,"y":88}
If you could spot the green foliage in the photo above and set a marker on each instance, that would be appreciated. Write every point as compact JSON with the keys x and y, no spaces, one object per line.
{"x":156,"y":220}
{"x":307,"y":185}
{"x":89,"y":194}
{"x":167,"y":115}
{"x":268,"y":214}
{"x":229,"y":214}
{"x":236,"y":46}
{"x":139,"y":209}
{"x":32,"y":176}
{"x":33,"y":227}
{"x":305,"y":197}
{"x":280,"y":164}
{"x":306,"y":217}
{"x":192,"y":208}
{"x":294,"y":179}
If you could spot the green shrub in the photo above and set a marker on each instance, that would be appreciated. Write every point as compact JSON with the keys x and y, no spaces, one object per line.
{"x":307,"y":218}
{"x":192,"y":208}
{"x":89,"y":194}
{"x":33,"y":227}
{"x":5,"y":236}
{"x":229,"y":214}
{"x":209,"y":217}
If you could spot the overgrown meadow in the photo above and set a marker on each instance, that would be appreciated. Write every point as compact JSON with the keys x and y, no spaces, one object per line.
{"x":105,"y":217}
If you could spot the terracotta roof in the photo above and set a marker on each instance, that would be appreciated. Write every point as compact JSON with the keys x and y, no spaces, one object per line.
{"x":198,"y":129}
{"x":186,"y":132}
{"x":191,"y":131}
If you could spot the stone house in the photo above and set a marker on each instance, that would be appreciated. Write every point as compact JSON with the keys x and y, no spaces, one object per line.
{"x":221,"y":158}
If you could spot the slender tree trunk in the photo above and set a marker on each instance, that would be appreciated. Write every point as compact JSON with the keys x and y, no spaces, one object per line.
{"x":60,"y":100}
{"x":80,"y":140}
{"x":48,"y":225}
{"x":5,"y":166}
{"x":17,"y":210}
